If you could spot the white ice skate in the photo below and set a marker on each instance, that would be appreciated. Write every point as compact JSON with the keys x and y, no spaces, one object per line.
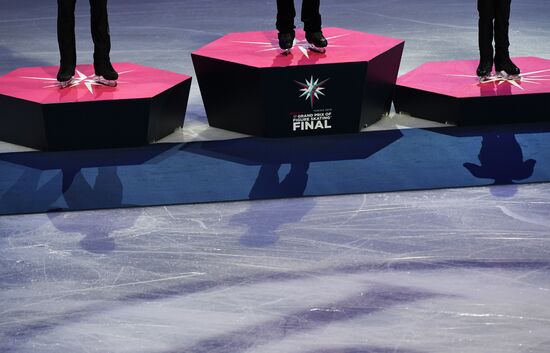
{"x":103,"y":81}
{"x":67,"y":83}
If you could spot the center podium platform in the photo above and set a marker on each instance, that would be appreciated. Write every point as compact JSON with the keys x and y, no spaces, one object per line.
{"x":250,"y":86}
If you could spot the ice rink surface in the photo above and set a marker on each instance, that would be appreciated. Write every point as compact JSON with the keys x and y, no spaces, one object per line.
{"x":464,"y":270}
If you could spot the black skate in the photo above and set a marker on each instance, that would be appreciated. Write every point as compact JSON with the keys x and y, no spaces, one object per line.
{"x":65,"y":76}
{"x":317,"y":41}
{"x":506,"y":69}
{"x":484,"y":70}
{"x":286,"y":41}
{"x":105,"y":74}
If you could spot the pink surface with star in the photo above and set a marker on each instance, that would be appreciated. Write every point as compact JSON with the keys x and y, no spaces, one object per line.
{"x":261,"y":49}
{"x":39,"y":84}
{"x":458,"y":79}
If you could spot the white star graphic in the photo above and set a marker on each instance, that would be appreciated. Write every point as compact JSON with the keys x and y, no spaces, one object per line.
{"x":301,"y":44}
{"x":533,"y":77}
{"x":80,"y":78}
{"x":311,"y":89}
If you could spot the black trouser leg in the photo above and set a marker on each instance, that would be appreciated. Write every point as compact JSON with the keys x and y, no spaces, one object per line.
{"x":285,"y":16}
{"x":311,"y":16}
{"x":100,"y":31}
{"x":502,"y":23}
{"x":65,"y":32}
{"x":486,"y":9}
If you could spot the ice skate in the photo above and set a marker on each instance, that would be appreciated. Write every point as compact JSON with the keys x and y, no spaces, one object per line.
{"x":317,"y":42}
{"x":484,"y":70}
{"x":505,"y":68}
{"x":286,"y":42}
{"x":105,"y":74}
{"x":65,"y":76}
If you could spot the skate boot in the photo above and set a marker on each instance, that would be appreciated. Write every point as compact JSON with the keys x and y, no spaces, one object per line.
{"x":484,"y":70}
{"x":105,"y":74}
{"x":317,"y":41}
{"x":65,"y":75}
{"x":505,"y":68}
{"x":286,"y":41}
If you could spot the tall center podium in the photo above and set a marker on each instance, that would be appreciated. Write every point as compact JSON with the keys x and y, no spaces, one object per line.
{"x":249,"y":85}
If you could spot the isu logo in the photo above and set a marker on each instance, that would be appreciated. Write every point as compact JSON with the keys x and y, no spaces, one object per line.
{"x":312,"y":89}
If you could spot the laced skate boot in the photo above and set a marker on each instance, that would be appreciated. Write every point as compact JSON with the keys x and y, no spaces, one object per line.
{"x":105,"y":73}
{"x":286,"y":41}
{"x":484,"y":70}
{"x":65,"y":75}
{"x":506,"y":68}
{"x":317,"y":41}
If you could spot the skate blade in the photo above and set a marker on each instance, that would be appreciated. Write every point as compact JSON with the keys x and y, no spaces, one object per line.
{"x":317,"y":49}
{"x":505,"y":76}
{"x":66,"y":84}
{"x":286,"y":52}
{"x":484,"y":79}
{"x":105,"y":82}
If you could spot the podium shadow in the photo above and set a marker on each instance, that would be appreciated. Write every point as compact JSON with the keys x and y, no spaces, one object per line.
{"x":72,"y":180}
{"x":261,"y":168}
{"x":501,"y":157}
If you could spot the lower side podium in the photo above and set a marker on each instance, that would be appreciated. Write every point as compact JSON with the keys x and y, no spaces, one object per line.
{"x":147,"y":105}
{"x":450,"y":92}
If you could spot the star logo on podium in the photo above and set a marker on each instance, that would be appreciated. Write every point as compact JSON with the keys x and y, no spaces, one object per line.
{"x":533,"y":77}
{"x":301,"y":44}
{"x":311,"y":89}
{"x":79,"y":79}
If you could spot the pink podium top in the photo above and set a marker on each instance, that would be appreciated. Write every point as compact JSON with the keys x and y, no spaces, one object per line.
{"x":458,"y":79}
{"x":261,"y":49}
{"x":38,"y":84}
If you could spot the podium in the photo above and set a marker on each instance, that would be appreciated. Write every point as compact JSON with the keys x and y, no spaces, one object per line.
{"x":249,"y":86}
{"x":450,"y":92}
{"x":146,"y":105}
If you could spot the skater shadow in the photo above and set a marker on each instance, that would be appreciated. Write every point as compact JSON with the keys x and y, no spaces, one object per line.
{"x":107,"y":190}
{"x":62,"y":181}
{"x":43,"y":187}
{"x":264,"y":219}
{"x":267,"y":184}
{"x":501,"y":159}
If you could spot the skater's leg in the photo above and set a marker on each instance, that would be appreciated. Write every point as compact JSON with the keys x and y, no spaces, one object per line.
{"x":312,"y":25}
{"x":502,"y":42}
{"x":311,"y":15}
{"x":486,"y":9}
{"x":502,"y":23}
{"x":100,"y":30}
{"x":65,"y":33}
{"x":285,"y":16}
{"x":102,"y":41}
